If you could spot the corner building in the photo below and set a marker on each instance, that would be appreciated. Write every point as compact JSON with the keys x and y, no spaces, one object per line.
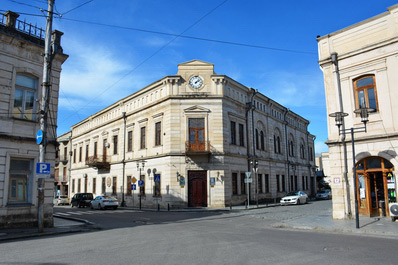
{"x":190,"y":138}
{"x":367,"y":67}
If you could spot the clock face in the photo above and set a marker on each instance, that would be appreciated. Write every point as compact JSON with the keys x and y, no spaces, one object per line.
{"x":195,"y":81}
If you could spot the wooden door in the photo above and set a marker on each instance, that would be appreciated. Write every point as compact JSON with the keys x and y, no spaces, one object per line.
{"x":197,"y":188}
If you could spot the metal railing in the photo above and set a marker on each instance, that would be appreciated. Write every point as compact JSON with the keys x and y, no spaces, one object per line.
{"x":27,"y":28}
{"x":197,"y":147}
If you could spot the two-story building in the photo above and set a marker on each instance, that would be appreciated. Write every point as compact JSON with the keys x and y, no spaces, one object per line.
{"x":21,"y":71}
{"x":188,"y":139}
{"x":360,"y":66}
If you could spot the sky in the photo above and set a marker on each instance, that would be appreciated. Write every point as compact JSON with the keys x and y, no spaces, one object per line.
{"x":116,"y":48}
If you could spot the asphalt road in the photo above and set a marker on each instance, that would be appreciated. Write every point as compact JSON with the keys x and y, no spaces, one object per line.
{"x":133,"y":237}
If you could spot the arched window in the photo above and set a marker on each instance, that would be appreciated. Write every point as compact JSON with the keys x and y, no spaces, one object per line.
{"x":365,"y":92}
{"x":302,"y":155}
{"x":291,"y":148}
{"x":277,"y":144}
{"x":262,"y":140}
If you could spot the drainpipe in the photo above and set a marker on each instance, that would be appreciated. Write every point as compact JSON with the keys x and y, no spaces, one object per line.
{"x":124,"y":157}
{"x":250,"y":106}
{"x":334,"y":60}
{"x":287,"y":149}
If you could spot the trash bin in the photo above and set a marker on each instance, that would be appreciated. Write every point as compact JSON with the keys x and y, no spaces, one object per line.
{"x":382,"y":206}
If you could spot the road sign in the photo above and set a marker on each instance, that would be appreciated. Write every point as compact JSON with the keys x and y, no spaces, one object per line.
{"x":43,"y":169}
{"x":140,"y":183}
{"x":248,"y":174}
{"x":133,"y":187}
{"x":156,"y":178}
{"x":133,"y":180}
{"x":248,"y":180}
{"x":39,"y":136}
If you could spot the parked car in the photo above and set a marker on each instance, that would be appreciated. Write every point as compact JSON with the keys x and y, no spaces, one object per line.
{"x":103,"y":202}
{"x":81,"y":199}
{"x":324,"y":195}
{"x":61,"y":199}
{"x":295,"y":197}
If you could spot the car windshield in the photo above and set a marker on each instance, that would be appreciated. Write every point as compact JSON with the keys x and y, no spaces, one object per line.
{"x":63,"y":197}
{"x":293,"y":193}
{"x":324,"y":191}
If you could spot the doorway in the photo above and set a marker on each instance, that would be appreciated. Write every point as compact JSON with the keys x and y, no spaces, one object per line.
{"x":197,"y":188}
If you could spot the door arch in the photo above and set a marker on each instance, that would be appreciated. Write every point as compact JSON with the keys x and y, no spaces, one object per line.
{"x":375,"y":186}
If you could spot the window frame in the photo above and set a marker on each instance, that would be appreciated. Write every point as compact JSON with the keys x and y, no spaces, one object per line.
{"x":115,"y":144}
{"x":241,"y":134}
{"x":129,"y":141}
{"x":365,"y":90}
{"x":143,"y":137}
{"x":25,"y":90}
{"x":233,"y":132}
{"x":158,"y":133}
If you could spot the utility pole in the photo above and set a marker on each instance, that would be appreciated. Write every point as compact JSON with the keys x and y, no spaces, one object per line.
{"x":46,"y":88}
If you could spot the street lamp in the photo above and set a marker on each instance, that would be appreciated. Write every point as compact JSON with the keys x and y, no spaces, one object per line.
{"x":139,"y":177}
{"x":339,"y":118}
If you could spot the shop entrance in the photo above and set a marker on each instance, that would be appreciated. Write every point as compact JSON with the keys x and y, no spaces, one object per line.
{"x":375,"y":192}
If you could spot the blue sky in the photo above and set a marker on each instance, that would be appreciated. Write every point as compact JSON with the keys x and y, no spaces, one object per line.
{"x":108,"y":60}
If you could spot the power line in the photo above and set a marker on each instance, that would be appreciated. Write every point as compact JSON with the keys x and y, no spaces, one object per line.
{"x":62,"y":14}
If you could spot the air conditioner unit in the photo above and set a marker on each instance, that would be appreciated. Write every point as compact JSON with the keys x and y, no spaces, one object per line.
{"x":394,"y":211}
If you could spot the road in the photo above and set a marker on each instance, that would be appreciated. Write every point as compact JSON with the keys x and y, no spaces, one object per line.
{"x":134,"y":237}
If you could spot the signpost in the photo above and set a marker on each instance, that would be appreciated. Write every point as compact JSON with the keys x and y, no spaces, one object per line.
{"x":248,"y":174}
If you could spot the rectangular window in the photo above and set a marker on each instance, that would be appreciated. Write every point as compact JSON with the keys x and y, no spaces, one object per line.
{"x":241,"y":135}
{"x":103,"y":185}
{"x":142,"y":188}
{"x":306,"y":182}
{"x":197,"y":134}
{"x":302,"y":183}
{"x":128,"y":185}
{"x":94,"y":185}
{"x":234,"y":183}
{"x":233,"y":132}
{"x":158,"y":133}
{"x":260,"y":183}
{"x":283,"y":183}
{"x":143,"y":140}
{"x":114,"y":185}
{"x":295,"y":183}
{"x":156,"y":187}
{"x":278,"y":183}
{"x":73,"y":186}
{"x":242,"y":183}
{"x":79,"y":185}
{"x":95,"y":149}
{"x":65,"y":153}
{"x":80,"y":153}
{"x":24,"y":97}
{"x":86,"y":152}
{"x":115,"y":144}
{"x":266,"y":182}
{"x":74,"y":155}
{"x":291,"y":183}
{"x":130,"y":141}
{"x":65,"y":176}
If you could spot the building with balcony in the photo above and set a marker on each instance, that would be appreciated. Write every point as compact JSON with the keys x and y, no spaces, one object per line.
{"x":62,"y":165}
{"x":21,"y":60}
{"x":360,"y":65}
{"x":188,"y":139}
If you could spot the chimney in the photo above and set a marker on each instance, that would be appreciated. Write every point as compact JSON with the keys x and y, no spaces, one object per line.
{"x":11,"y":19}
{"x":56,"y":41}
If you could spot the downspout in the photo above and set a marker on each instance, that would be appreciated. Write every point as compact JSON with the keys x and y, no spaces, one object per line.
{"x":334,"y":60}
{"x":249,"y":106}
{"x":124,"y":156}
{"x":69,"y":163}
{"x":255,"y":143}
{"x":287,"y":150}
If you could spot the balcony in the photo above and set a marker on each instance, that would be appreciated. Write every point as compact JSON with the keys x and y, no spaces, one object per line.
{"x":197,"y":148}
{"x":100,"y":162}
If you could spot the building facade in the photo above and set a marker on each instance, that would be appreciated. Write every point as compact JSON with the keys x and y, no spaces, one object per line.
{"x":21,"y":60}
{"x":188,"y":139}
{"x":62,"y":164}
{"x":363,"y":75}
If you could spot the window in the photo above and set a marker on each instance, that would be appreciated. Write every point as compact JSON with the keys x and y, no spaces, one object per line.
{"x":103,"y":185}
{"x":242,"y":183}
{"x":79,"y":185}
{"x":257,"y":143}
{"x":262,"y":140}
{"x":278,"y":183}
{"x":295,"y":183}
{"x":310,"y":153}
{"x":128,"y":185}
{"x":86,"y":152}
{"x":20,"y":175}
{"x":24,"y":97}
{"x":365,"y":92}
{"x":130,"y":141}
{"x":95,"y":149}
{"x":94,"y":185}
{"x":283,"y":183}
{"x":73,"y":186}
{"x":142,"y":143}
{"x":80,"y":153}
{"x":277,"y":144}
{"x":142,"y":188}
{"x":65,"y":153}
{"x":64,"y":174}
{"x":291,"y":183}
{"x":233,"y":132}
{"x":241,"y":135}
{"x":234,"y":183}
{"x":158,"y":133}
{"x":291,"y":148}
{"x":302,"y":151}
{"x":114,"y":185}
{"x":156,"y":187}
{"x":197,"y":134}
{"x":266,"y":182}
{"x":115,"y":144}
{"x":74,"y":155}
{"x":260,"y":183}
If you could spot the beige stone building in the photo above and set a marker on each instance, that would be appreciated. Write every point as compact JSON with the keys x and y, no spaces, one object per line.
{"x":21,"y":64}
{"x":189,"y":137}
{"x":366,"y":67}
{"x":62,"y":164}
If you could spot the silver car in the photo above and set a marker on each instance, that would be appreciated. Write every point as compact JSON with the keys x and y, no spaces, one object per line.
{"x":61,"y":199}
{"x":295,"y":197}
{"x":323,"y":195}
{"x":103,"y":202}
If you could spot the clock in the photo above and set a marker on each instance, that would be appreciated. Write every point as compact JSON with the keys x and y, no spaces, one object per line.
{"x":195,"y":81}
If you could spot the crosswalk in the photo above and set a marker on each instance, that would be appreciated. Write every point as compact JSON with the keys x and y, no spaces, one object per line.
{"x":96,"y":212}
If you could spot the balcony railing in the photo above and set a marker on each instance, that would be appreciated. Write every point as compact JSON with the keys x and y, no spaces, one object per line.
{"x":100,"y":162}
{"x":199,"y":147}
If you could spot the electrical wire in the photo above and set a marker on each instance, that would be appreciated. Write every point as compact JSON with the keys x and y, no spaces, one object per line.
{"x":62,"y":14}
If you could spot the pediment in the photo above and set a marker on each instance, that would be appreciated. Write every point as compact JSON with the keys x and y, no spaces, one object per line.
{"x":196,"y":109}
{"x":196,"y":63}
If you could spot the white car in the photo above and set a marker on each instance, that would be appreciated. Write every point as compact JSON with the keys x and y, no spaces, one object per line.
{"x":61,"y":199}
{"x":103,"y":202}
{"x":295,"y":197}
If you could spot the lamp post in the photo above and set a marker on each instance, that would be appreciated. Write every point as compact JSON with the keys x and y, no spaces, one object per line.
{"x":339,"y":118}
{"x":139,"y":177}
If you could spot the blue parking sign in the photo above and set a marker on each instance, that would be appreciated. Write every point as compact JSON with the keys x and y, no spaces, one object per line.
{"x":140,"y":183}
{"x":43,"y":168}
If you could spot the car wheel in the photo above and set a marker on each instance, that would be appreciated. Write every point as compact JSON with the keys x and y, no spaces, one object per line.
{"x":100,"y":206}
{"x":71,"y":205}
{"x":306,"y":200}
{"x":91,"y":206}
{"x":114,"y":208}
{"x":298,"y":201}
